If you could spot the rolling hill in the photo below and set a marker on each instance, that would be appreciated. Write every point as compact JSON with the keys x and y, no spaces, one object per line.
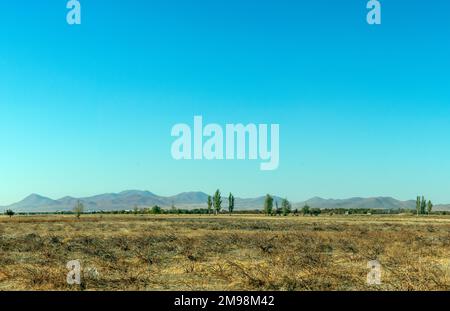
{"x":126,"y":200}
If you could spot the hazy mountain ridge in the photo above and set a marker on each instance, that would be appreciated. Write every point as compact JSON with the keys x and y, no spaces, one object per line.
{"x":126,"y":200}
{"x":358,"y":202}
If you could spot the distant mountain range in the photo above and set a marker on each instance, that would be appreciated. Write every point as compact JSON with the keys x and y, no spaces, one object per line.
{"x":126,"y":200}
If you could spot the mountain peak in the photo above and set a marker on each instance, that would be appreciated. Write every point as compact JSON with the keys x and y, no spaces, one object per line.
{"x":34,"y":200}
{"x":134,"y":192}
{"x":35,"y":196}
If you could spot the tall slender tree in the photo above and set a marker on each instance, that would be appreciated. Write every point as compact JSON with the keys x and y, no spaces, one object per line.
{"x":217,"y":200}
{"x":230,"y":203}
{"x":429,"y":207}
{"x":418,"y":205}
{"x":423,"y":206}
{"x":268,"y":204}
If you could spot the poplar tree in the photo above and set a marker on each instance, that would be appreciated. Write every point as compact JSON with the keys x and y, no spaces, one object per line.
{"x":230,"y":203}
{"x":423,"y":206}
{"x":268,"y":204}
{"x":418,"y":205}
{"x":430,"y":207}
{"x":217,"y":200}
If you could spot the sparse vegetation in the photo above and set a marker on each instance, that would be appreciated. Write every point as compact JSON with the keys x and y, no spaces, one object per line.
{"x":238,"y":252}
{"x":78,"y":209}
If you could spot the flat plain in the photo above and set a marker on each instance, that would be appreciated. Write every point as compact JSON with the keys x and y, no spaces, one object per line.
{"x":238,"y":252}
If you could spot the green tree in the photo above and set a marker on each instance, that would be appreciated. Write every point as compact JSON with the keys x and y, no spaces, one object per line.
{"x":316,"y":211}
{"x":268,"y":204}
{"x":209,"y":204}
{"x":286,"y":207}
{"x":423,"y":206}
{"x":429,"y":207}
{"x":78,"y":209}
{"x":135,"y":210}
{"x":9,"y":212}
{"x":306,"y":210}
{"x":156,"y":210}
{"x":230,"y":203}
{"x":418,"y":205}
{"x":217,"y":200}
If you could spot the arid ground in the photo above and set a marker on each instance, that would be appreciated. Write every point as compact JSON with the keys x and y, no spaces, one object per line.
{"x":162,"y":252}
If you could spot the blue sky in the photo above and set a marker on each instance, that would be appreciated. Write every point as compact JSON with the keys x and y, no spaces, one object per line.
{"x":363,"y":110}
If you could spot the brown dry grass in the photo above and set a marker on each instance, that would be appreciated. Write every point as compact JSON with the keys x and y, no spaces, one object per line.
{"x":225,"y":252}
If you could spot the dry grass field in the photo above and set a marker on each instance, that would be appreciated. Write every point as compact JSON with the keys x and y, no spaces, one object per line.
{"x":135,"y":252}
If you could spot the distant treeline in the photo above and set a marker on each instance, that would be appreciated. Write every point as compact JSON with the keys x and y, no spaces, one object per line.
{"x":270,"y":208}
{"x":204,"y":211}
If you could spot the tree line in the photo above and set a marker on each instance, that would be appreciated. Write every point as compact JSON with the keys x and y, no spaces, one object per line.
{"x":422,"y":206}
{"x":270,"y":208}
{"x":286,"y":208}
{"x":214,"y":204}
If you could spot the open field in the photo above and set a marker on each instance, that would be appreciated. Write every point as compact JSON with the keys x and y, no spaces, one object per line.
{"x":135,"y":252}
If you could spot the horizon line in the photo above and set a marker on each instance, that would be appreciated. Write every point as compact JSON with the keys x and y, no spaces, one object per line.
{"x":203,"y":192}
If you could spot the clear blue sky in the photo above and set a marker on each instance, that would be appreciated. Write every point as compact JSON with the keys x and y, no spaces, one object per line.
{"x":363,"y":110}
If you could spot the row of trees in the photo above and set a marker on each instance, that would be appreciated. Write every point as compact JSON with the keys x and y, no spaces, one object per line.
{"x":216,"y":202}
{"x":286,"y":208}
{"x":422,"y":206}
